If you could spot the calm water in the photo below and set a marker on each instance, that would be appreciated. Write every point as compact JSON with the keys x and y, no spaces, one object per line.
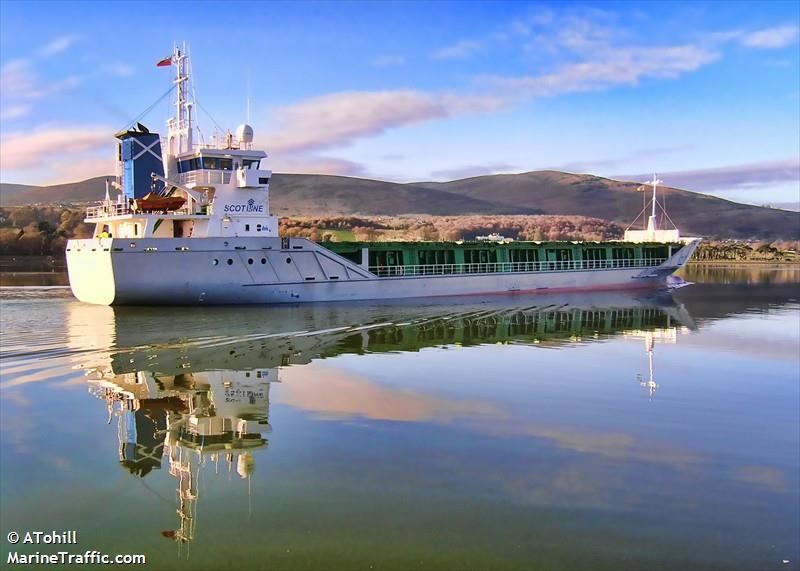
{"x":556,"y":432}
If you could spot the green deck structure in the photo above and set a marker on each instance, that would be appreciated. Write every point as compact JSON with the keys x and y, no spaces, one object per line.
{"x":424,"y":258}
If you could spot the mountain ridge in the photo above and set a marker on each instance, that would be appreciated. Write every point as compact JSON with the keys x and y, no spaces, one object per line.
{"x":534,"y":192}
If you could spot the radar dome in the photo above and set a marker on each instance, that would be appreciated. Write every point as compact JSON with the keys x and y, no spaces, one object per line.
{"x":244,"y":133}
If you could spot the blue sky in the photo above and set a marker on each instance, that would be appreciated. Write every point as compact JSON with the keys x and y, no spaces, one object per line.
{"x":705,"y":94}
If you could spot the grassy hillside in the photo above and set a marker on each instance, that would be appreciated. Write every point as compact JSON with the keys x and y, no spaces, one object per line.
{"x":88,"y":190}
{"x":540,"y":192}
{"x":309,"y":194}
{"x":586,"y":195}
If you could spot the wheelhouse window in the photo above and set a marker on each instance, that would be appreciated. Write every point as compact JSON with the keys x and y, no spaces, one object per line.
{"x":251,"y":163}
{"x":217,"y":163}
{"x":208,"y":163}
{"x":188,"y":165}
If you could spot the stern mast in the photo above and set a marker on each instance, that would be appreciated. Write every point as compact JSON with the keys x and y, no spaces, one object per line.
{"x":652,"y":225}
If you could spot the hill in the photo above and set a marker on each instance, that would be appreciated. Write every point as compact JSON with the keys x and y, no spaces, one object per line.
{"x":310,"y":194}
{"x":88,"y":190}
{"x":299,"y":194}
{"x":538,"y":192}
{"x":563,"y":193}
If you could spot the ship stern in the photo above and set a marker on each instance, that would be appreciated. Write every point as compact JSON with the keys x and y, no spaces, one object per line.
{"x":90,"y":269}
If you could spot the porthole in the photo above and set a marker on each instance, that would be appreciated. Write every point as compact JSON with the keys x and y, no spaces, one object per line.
{"x":288,"y":260}
{"x":215,"y":262}
{"x":230,"y":262}
{"x":250,"y":261}
{"x":263,"y":261}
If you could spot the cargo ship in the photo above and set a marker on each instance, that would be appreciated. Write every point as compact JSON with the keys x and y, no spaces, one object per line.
{"x":191,"y":225}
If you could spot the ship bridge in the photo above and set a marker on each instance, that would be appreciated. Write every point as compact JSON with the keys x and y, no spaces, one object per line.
{"x":212,"y":166}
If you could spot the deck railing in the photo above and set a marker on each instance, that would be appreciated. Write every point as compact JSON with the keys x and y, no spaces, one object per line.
{"x":509,"y":267}
{"x":105,"y":209}
{"x":114,"y":209}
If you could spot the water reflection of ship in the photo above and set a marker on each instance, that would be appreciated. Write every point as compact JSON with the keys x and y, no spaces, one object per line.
{"x":193,"y":418}
{"x":194,"y":387}
{"x":667,"y":335}
{"x":236,"y":338}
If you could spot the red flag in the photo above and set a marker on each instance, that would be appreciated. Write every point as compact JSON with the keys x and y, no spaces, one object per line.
{"x":165,"y":62}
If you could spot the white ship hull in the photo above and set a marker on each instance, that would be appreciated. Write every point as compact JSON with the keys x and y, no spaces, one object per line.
{"x":212,"y":271}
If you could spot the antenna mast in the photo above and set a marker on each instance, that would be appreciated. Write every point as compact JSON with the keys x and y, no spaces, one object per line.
{"x":183,"y":106}
{"x":248,"y":96}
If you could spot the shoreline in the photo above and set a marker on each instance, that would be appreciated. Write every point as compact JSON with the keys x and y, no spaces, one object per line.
{"x":776,"y":263}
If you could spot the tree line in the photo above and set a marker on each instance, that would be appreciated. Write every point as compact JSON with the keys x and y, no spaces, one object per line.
{"x":517,"y":227}
{"x":40,"y":230}
{"x":44,"y":230}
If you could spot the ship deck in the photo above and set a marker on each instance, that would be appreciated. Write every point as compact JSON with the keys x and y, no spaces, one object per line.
{"x":393,"y":259}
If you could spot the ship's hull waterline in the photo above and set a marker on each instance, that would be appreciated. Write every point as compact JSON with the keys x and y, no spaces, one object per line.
{"x":217,"y":271}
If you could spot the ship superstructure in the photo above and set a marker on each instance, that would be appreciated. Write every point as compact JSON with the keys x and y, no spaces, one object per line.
{"x":191,"y":224}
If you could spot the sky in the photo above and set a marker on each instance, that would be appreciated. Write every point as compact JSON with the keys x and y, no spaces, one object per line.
{"x":707,"y":95}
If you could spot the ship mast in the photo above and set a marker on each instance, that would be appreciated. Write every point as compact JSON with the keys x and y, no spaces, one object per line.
{"x":652,"y":225}
{"x":183,"y":107}
{"x":179,"y":127}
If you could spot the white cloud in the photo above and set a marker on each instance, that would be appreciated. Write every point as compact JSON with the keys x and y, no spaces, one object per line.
{"x":57,"y":45}
{"x":81,"y":168}
{"x":610,"y":68}
{"x":21,"y":83}
{"x":23,"y":150}
{"x":777,"y":37}
{"x":753,"y":175}
{"x":17,"y":79}
{"x":314,"y":164}
{"x":341,"y":118}
{"x":10,"y":112}
{"x":582,"y":34}
{"x":338,"y":118}
{"x":459,"y":50}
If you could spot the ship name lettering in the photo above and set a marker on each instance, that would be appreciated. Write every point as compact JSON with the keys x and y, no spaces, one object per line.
{"x":239,"y":208}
